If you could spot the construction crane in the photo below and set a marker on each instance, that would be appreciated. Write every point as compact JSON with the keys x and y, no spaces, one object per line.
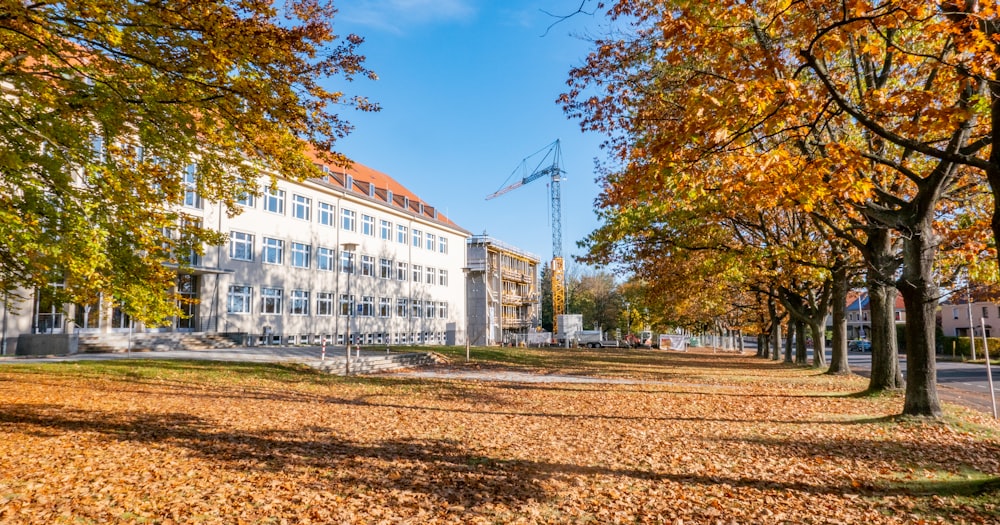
{"x":547,"y":166}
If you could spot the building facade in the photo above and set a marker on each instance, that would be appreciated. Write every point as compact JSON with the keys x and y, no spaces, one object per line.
{"x":503,"y":293}
{"x":958,"y":316}
{"x":352,"y":256}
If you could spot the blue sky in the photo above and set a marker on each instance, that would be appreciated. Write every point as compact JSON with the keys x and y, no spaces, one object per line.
{"x":468,"y":89}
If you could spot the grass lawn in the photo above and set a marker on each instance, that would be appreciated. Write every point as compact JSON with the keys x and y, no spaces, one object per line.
{"x":701,"y":438}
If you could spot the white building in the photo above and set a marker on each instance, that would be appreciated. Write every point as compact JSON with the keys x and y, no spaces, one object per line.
{"x":285,"y":274}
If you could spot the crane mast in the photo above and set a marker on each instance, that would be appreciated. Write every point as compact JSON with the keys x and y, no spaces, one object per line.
{"x":548,"y":166}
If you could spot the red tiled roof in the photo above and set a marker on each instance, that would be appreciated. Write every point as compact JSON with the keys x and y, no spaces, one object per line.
{"x":363,"y":177}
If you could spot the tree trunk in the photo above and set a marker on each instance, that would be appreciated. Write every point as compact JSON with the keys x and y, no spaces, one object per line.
{"x":790,"y":340}
{"x":920,"y":297}
{"x":818,"y":329}
{"x":776,"y":341}
{"x":801,"y":350}
{"x":739,"y":333}
{"x":885,"y":371}
{"x":838,"y":358}
{"x":762,"y":339}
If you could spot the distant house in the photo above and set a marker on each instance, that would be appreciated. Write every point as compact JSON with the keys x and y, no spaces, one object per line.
{"x":858,"y":313}
{"x":955,"y":316}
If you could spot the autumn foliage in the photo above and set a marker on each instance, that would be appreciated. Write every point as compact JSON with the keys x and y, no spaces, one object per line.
{"x":654,"y":438}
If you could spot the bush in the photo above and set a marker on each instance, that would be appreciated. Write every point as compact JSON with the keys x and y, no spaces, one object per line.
{"x":962,"y":347}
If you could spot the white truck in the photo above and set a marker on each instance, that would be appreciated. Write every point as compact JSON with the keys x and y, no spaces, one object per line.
{"x":595,"y":339}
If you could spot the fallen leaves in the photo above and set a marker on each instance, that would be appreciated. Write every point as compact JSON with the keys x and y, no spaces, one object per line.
{"x":725,"y":443}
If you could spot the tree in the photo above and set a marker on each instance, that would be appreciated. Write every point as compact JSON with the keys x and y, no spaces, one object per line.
{"x":106,"y":106}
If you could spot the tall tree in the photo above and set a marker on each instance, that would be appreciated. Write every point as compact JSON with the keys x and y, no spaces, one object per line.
{"x":112,"y":111}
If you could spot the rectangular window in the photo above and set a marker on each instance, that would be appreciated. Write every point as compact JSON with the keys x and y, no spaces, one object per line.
{"x":367,"y":306}
{"x":346,"y":304}
{"x":430,"y":309}
{"x":986,"y":312}
{"x":367,"y":225}
{"x":385,"y":230}
{"x":443,"y":277}
{"x":326,"y":213}
{"x":347,"y":219}
{"x":301,"y":207}
{"x":368,"y":265}
{"x":899,"y":315}
{"x":324,"y":259}
{"x":384,"y":306}
{"x":300,"y":254}
{"x":324,"y":303}
{"x":274,"y":201}
{"x":443,"y":244}
{"x":954,"y":313}
{"x":346,"y":261}
{"x":443,"y":310}
{"x":417,"y":238}
{"x":238,"y":301}
{"x":299,"y":300}
{"x":431,"y":275}
{"x":240,"y":246}
{"x":270,"y":300}
{"x":245,"y":199}
{"x":401,"y":232}
{"x":191,"y":197}
{"x":274,"y":251}
{"x":431,"y":242}
{"x":401,"y":308}
{"x":416,"y":308}
{"x":418,"y":273}
{"x":385,"y":268}
{"x":401,"y":271}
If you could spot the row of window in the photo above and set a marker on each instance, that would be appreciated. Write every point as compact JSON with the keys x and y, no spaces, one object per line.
{"x":241,"y":248}
{"x":272,"y":301}
{"x":301,"y":208}
{"x":986,"y":312}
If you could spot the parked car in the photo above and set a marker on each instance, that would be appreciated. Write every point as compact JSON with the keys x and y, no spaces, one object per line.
{"x":859,"y":345}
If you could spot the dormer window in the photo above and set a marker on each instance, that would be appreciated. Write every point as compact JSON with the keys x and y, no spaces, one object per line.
{"x":388,"y":196}
{"x":348,"y":181}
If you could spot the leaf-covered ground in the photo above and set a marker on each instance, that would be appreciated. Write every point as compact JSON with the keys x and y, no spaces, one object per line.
{"x":707,"y":439}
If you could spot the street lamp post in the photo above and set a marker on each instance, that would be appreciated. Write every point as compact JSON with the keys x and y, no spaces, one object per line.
{"x":348,"y":248}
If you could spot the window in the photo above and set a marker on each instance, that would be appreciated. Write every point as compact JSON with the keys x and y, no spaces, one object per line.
{"x":417,"y":238}
{"x":418,"y":273}
{"x":191,"y":197}
{"x":324,"y":259}
{"x":238,"y":301}
{"x":430,"y":275}
{"x":443,"y":310}
{"x":346,"y":261}
{"x":367,"y":225}
{"x":401,"y":271}
{"x":443,"y":244}
{"x":368,"y":265}
{"x":899,"y":315}
{"x":299,"y":300}
{"x":346,"y":304}
{"x":367,"y":306}
{"x":384,"y":306}
{"x":274,"y":201}
{"x":385,"y":230}
{"x":326,"y":213}
{"x":986,"y":312}
{"x":324,"y":303}
{"x":416,"y":308}
{"x":300,"y":254}
{"x":270,"y":300}
{"x":954,"y":313}
{"x":246,"y":198}
{"x":401,"y":232}
{"x":301,"y":207}
{"x":401,"y":306}
{"x":385,"y":268}
{"x":241,"y":246}
{"x":430,"y":309}
{"x":431,"y":242}
{"x":443,"y":277}
{"x":273,"y":250}
{"x":347,"y":219}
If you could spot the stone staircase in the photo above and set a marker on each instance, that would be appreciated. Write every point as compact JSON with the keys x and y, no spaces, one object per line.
{"x":151,"y":342}
{"x":373,"y":364}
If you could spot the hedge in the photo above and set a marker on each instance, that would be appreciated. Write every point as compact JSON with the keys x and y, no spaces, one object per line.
{"x":962,"y":346}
